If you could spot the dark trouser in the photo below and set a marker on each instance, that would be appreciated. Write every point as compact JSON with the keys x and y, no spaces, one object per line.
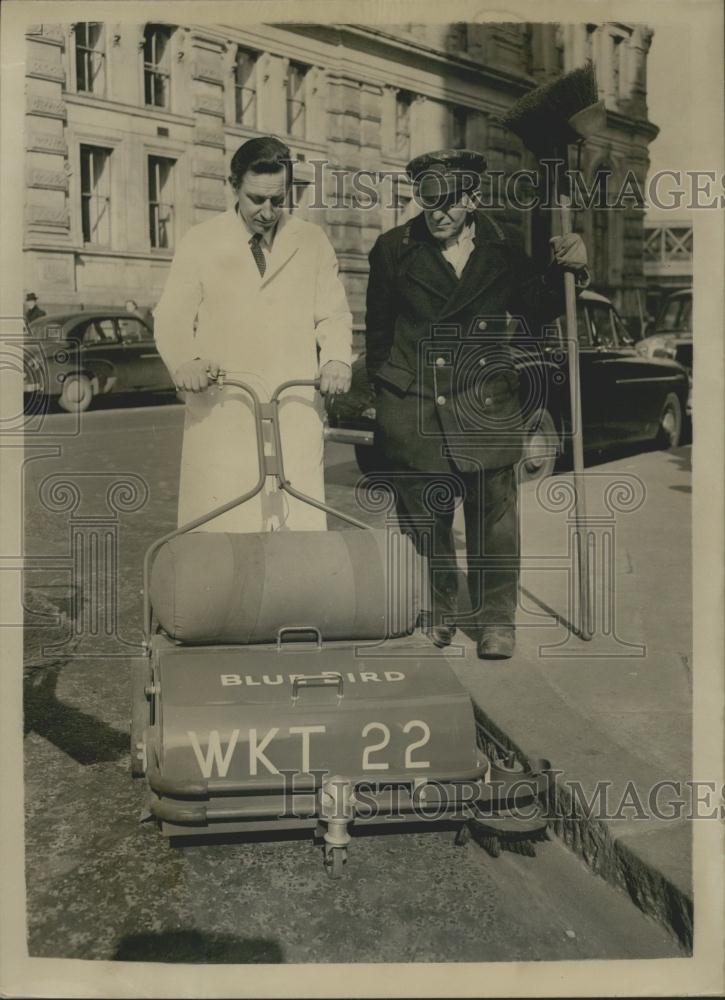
{"x":425,"y":507}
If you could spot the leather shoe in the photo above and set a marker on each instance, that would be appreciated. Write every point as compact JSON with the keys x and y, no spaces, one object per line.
{"x":496,"y":643}
{"x":442,"y":635}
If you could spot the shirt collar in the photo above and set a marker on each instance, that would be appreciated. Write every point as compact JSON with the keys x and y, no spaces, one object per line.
{"x":465,"y":236}
{"x":267,"y":237}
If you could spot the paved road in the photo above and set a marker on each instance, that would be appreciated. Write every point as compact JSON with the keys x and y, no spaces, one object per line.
{"x":103,"y":885}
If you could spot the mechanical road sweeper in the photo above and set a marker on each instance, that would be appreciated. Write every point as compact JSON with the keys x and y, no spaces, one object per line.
{"x":285,"y":684}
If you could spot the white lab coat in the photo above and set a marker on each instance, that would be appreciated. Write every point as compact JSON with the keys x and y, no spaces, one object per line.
{"x":263,"y":331}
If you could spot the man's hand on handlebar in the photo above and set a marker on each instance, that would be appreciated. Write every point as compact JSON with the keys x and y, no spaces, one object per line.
{"x":335,"y":378}
{"x":196,"y":375}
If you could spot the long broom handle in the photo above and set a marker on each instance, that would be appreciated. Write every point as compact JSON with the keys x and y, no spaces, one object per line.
{"x":580,"y":512}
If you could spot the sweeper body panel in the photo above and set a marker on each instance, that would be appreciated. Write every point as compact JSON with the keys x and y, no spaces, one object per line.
{"x":240,"y":734}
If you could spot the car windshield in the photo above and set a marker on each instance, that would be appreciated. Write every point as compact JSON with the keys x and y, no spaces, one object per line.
{"x":676,"y":316}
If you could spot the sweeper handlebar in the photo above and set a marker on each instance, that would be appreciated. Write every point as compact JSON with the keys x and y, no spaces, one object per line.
{"x":222,"y":378}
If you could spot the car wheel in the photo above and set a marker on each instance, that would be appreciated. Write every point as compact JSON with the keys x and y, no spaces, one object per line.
{"x":669,"y":434}
{"x":369,"y":459}
{"x":76,"y":394}
{"x":542,"y":447}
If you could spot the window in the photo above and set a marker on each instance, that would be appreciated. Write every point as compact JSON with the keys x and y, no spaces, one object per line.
{"x":296,"y":100}
{"x":161,"y":202}
{"x":591,"y":29}
{"x":402,"y":124}
{"x":600,"y":316}
{"x":559,"y":48}
{"x":583,"y":329}
{"x":95,"y":331}
{"x":245,"y":88}
{"x":676,"y":315}
{"x":623,"y":335}
{"x":156,"y":65}
{"x":459,"y":120}
{"x":90,"y":58}
{"x":96,"y":195}
{"x":132,"y":330}
{"x":616,"y":56}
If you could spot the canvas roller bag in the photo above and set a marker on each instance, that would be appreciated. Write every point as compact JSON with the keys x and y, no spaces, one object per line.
{"x":225,"y":588}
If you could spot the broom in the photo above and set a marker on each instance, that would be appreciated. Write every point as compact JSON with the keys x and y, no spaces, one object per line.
{"x":548,"y":120}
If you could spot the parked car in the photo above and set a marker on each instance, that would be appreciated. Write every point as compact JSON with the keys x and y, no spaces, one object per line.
{"x":625,"y":397}
{"x":73,"y":357}
{"x":672,"y":333}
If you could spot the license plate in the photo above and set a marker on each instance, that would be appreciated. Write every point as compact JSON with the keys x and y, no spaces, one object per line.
{"x":253,"y":749}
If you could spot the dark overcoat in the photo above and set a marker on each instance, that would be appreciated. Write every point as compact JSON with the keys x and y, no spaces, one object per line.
{"x":437,"y":348}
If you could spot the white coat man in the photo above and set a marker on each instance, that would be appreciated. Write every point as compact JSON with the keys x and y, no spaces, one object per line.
{"x":254,"y":293}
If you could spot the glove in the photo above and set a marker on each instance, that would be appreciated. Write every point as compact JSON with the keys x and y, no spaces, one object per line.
{"x":569,"y":251}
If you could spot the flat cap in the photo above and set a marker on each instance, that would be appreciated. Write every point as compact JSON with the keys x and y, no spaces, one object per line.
{"x":446,"y":172}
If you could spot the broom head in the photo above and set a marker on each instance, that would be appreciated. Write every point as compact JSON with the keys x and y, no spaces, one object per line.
{"x":558,"y":113}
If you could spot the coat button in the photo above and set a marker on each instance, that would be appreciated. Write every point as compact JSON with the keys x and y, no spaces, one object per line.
{"x":440,"y":361}
{"x":482,"y":362}
{"x":482,"y":324}
{"x":441,"y":400}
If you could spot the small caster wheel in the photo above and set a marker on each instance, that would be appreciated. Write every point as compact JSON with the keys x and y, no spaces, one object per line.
{"x":335,"y":858}
{"x":463,"y":835}
{"x":492,"y":846}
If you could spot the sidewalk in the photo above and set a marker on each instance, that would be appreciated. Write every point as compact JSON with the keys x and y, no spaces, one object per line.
{"x":616,"y":709}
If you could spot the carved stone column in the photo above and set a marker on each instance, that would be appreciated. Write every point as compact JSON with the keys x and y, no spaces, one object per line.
{"x":640,"y":43}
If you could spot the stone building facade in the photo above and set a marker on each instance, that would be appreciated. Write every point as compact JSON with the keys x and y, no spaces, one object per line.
{"x":130,"y":129}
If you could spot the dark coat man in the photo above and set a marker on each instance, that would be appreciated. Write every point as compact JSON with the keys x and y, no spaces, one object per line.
{"x":448,"y":418}
{"x":32,"y":309}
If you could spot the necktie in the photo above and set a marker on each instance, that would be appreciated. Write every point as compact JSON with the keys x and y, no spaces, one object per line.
{"x":258,"y":253}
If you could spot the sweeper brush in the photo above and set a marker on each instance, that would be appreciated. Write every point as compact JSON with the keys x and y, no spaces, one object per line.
{"x":515,"y":818}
